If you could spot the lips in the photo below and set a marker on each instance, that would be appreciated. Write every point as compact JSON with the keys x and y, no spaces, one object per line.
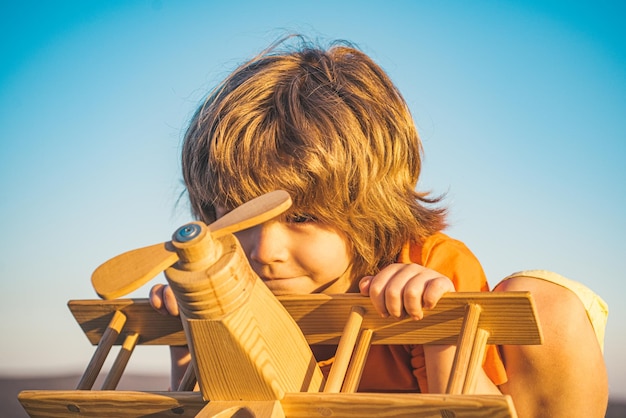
{"x":271,"y":279}
{"x":270,"y":276}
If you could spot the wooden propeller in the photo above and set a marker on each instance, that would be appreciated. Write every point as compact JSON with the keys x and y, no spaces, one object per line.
{"x":128,"y":271}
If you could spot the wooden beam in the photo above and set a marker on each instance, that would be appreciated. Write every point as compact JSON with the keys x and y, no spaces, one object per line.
{"x":510,"y":318}
{"x":387,"y":405}
{"x":110,"y":403}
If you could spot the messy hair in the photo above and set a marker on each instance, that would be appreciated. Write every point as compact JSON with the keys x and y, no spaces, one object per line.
{"x":329,"y":127}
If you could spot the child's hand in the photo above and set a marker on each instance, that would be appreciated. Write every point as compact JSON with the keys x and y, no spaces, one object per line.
{"x":163,"y":300}
{"x":400,"y":289}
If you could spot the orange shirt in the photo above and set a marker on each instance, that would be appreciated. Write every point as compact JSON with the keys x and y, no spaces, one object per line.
{"x":402,"y":368}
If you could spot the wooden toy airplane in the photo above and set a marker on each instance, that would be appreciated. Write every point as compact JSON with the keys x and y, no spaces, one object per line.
{"x":251,"y":353}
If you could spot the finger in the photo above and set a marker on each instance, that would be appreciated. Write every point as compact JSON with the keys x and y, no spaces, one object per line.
{"x":396,"y":288}
{"x":156,"y":298}
{"x":169,"y":300}
{"x":376,"y":288}
{"x":412,"y":297}
{"x":435,"y":289}
{"x":364,"y":285}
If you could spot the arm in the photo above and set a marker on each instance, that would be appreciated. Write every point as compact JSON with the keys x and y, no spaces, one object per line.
{"x":449,"y":266}
{"x":453,"y":259}
{"x":407,"y":289}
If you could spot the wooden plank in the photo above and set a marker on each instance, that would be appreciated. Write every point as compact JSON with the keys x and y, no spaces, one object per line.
{"x":387,"y":405}
{"x":510,"y":318}
{"x":132,"y":404}
{"x":93,"y":316}
{"x":110,"y":403}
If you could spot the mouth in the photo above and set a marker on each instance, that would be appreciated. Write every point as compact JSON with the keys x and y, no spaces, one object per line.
{"x":269,"y":279}
{"x":276,"y":279}
{"x":283,"y":285}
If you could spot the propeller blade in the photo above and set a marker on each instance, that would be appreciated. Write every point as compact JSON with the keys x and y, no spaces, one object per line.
{"x":251,"y":213}
{"x":127,"y":272}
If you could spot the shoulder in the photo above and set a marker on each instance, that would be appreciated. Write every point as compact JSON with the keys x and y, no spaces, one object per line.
{"x":450,"y":257}
{"x":441,"y":243}
{"x":436,"y":245}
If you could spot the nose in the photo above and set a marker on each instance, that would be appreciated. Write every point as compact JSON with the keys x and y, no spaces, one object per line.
{"x":265,"y":244}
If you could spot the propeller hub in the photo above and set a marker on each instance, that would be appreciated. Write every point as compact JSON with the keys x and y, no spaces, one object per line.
{"x":187,"y":232}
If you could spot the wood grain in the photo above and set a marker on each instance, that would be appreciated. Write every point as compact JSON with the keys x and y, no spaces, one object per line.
{"x":379,"y":405}
{"x":509,"y":317}
{"x":105,"y":403}
{"x":130,"y":270}
{"x":132,"y":404}
{"x":344,"y":351}
{"x":244,"y":343}
{"x":464,"y":349}
{"x":109,"y":336}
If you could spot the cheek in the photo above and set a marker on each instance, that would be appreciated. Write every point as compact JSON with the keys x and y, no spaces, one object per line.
{"x":330,"y":256}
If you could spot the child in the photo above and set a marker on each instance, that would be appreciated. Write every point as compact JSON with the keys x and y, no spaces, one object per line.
{"x":329,"y":127}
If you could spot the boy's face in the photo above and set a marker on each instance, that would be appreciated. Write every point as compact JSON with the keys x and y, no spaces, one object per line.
{"x":296,"y":255}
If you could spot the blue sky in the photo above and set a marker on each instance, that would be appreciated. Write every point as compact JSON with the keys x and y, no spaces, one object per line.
{"x":520,"y":106}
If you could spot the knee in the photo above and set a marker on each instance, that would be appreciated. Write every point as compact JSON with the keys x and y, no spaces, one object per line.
{"x":561,"y":313}
{"x":568,"y":369}
{"x":537,"y":287}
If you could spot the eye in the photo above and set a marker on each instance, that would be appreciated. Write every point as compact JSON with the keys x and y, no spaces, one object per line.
{"x":300,"y":218}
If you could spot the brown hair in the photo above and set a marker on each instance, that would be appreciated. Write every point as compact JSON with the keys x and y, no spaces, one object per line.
{"x":329,"y":127}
